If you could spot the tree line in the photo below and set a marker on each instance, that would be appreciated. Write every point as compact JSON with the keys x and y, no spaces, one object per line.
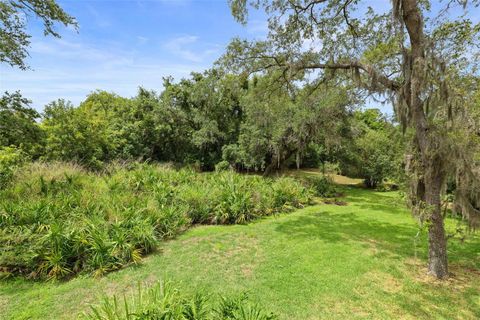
{"x":209,"y":120}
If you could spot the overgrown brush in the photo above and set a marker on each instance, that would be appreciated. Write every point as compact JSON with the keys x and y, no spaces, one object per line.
{"x":10,"y":159}
{"x":57,"y":220}
{"x":323,"y":186}
{"x":164,"y":301}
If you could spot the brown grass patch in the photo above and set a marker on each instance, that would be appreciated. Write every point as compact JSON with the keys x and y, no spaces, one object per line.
{"x":247,"y":270}
{"x":386,"y":281}
{"x":344,"y":310}
{"x":342,"y":180}
{"x":460,"y":277}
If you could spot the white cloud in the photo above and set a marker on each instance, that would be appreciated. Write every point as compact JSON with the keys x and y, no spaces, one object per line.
{"x":72,"y":69}
{"x":77,"y":51}
{"x":179,"y":46}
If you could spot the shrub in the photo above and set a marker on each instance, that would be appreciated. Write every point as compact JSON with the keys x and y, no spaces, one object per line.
{"x":331,"y":168}
{"x":323,"y":186}
{"x":387,"y":186}
{"x":287,"y":192}
{"x":199,"y":200}
{"x":235,"y":201}
{"x":58,"y":220}
{"x":10,"y":159}
{"x":164,"y":301}
{"x":222,"y":166}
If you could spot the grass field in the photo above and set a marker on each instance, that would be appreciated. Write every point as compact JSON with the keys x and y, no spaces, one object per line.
{"x":355,"y":261}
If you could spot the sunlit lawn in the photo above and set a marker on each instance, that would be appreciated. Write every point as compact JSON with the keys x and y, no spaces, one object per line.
{"x":361,"y":260}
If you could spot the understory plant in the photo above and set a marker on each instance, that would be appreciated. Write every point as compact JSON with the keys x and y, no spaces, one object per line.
{"x":58,"y":220}
{"x":164,"y":301}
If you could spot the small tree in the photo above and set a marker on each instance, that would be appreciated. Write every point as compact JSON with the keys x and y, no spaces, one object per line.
{"x":376,"y":156}
{"x":375,"y":150}
{"x":18,"y":126}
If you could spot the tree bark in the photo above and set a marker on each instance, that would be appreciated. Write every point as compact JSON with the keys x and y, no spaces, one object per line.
{"x":425,"y":140}
{"x":437,"y":241}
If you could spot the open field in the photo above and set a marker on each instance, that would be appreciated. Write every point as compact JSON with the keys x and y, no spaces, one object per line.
{"x":360,"y":260}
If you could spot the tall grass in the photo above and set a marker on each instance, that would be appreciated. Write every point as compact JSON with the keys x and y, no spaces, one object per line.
{"x":57,"y":220}
{"x":164,"y":301}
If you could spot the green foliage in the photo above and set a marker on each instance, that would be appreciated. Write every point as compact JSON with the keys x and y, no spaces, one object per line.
{"x":10,"y":160}
{"x":376,"y":152}
{"x":201,"y":121}
{"x":164,"y":301}
{"x":58,"y":220}
{"x":375,"y":149}
{"x":86,"y":134}
{"x":371,"y":119}
{"x":13,"y":35}
{"x":187,"y":123}
{"x":322,"y":185}
{"x":222,"y":166}
{"x":199,"y":116}
{"x":18,"y":127}
{"x":418,"y":54}
{"x":275,"y":259}
{"x":281,"y":125}
{"x":239,"y":308}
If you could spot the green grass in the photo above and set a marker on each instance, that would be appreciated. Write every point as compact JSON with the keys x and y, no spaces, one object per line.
{"x":323,"y":262}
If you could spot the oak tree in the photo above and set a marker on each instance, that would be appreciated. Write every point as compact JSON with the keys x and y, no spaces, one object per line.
{"x":416,"y":52}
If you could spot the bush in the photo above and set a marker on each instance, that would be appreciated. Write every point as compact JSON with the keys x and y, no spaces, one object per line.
{"x":58,"y":220}
{"x":387,"y":186}
{"x":331,"y":168}
{"x":10,"y":159}
{"x":222,"y":166}
{"x":164,"y":301}
{"x":291,"y":193}
{"x":323,"y":186}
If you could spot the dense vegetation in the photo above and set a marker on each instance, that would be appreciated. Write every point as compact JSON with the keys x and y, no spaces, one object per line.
{"x":207,"y":121}
{"x":364,"y":259}
{"x":69,"y":207}
{"x":164,"y":301}
{"x":57,"y":219}
{"x":91,"y":188}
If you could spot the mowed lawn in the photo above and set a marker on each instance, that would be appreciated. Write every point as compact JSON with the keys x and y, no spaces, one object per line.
{"x":354,"y":261}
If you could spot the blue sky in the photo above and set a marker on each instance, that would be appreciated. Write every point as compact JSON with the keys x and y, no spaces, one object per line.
{"x":124,"y":44}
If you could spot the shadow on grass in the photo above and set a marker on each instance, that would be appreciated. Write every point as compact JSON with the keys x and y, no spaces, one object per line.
{"x":395,"y":242}
{"x":397,"y":238}
{"x":387,"y":202}
{"x":340,"y":227}
{"x":465,"y":253}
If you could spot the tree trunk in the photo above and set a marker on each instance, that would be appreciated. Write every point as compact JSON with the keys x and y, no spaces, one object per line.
{"x":437,"y":242}
{"x":432,"y":165}
{"x":278,"y":164}
{"x":269,"y":169}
